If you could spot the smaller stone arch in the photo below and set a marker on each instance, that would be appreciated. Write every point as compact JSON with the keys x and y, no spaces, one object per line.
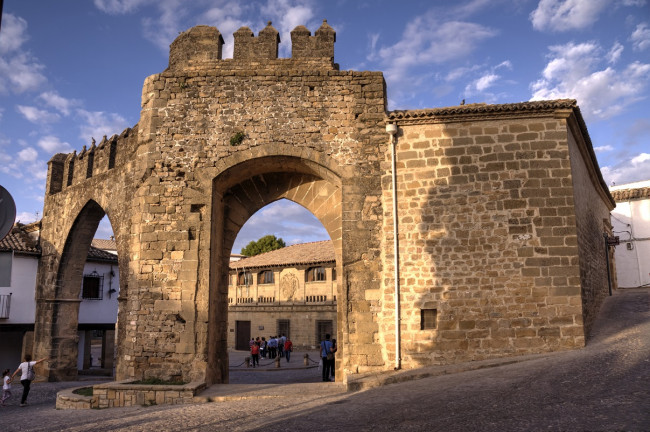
{"x":58,"y":292}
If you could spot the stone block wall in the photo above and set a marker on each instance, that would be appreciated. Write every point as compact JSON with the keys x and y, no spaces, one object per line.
{"x":488,"y":235}
{"x":592,"y":210}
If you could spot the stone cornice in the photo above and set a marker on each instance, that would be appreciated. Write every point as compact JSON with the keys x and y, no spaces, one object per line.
{"x":479,"y":111}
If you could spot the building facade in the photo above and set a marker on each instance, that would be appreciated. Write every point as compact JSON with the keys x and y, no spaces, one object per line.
{"x":290,"y":291}
{"x":631,"y":222}
{"x":20,"y":254}
{"x":483,"y":239}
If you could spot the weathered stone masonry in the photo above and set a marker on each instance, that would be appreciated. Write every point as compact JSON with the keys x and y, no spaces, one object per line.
{"x":498,"y":209}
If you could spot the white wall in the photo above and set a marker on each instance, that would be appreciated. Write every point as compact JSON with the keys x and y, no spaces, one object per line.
{"x":631,"y":222}
{"x":101,"y":311}
{"x":22,"y":289}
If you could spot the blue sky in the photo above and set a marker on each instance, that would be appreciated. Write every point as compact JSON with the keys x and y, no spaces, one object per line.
{"x":71,"y":70}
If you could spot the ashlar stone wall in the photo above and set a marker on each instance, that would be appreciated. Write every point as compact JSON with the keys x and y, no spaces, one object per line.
{"x":501,"y":216}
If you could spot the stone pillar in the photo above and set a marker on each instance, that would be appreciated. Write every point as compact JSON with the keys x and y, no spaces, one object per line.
{"x":108,"y":349}
{"x":87,"y":345}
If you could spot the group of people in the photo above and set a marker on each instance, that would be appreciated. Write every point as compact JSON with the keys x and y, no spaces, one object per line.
{"x":27,"y":375}
{"x":275,"y":347}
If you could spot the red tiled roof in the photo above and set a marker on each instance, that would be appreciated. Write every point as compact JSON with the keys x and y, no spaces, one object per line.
{"x":304,"y":253}
{"x":20,"y":242}
{"x":104,"y":244}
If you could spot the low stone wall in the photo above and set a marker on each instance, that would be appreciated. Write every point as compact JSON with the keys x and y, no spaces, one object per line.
{"x":67,"y":399}
{"x":123,"y":394}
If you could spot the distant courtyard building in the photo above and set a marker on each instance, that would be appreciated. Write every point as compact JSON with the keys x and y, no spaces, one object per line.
{"x":290,"y":291}
{"x":631,"y":223}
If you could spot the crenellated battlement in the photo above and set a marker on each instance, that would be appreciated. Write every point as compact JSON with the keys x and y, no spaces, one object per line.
{"x":202,"y":47}
{"x":69,"y":169}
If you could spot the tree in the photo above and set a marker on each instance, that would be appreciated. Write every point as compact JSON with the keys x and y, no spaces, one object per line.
{"x":264,"y":244}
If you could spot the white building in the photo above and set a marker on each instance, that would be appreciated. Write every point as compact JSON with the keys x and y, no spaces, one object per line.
{"x":19,"y":257}
{"x":631,"y":223}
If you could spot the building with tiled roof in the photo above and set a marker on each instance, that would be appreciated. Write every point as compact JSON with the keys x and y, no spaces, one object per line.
{"x":631,"y":223}
{"x":289,"y":291}
{"x":20,"y":253}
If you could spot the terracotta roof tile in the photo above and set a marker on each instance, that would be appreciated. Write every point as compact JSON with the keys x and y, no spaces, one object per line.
{"x":104,"y":244}
{"x":304,"y":253}
{"x":20,"y":242}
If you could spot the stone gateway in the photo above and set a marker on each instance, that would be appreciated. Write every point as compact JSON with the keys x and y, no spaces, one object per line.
{"x":500,"y":220}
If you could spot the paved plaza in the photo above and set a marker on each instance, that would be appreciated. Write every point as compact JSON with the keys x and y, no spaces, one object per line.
{"x":603,"y":387}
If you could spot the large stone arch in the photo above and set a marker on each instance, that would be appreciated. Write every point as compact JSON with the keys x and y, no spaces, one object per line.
{"x":238,"y":193}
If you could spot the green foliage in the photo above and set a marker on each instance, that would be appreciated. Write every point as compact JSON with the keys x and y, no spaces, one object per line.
{"x":237,"y":138}
{"x":85,"y":391}
{"x":265,"y":244}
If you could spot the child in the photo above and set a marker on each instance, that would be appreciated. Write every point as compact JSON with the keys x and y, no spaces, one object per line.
{"x":6,"y":386}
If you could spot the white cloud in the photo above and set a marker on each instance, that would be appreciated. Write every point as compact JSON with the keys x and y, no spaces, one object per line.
{"x":615,"y":53}
{"x":54,"y":100}
{"x":573,"y":72}
{"x":19,"y":71}
{"x":119,"y":7}
{"x":426,"y":41}
{"x":641,"y":37}
{"x":52,"y":145}
{"x":602,"y":149}
{"x":636,"y":169}
{"x":26,"y":217}
{"x":28,"y":154}
{"x":99,"y":123}
{"x":564,"y":15}
{"x":36,"y":115}
{"x":14,"y":33}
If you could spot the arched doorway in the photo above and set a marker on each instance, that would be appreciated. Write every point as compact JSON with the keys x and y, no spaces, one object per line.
{"x":289,"y":293}
{"x":82,"y":274}
{"x":237,"y":194}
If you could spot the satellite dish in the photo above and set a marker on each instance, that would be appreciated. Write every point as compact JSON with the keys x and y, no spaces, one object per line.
{"x":7,"y":212}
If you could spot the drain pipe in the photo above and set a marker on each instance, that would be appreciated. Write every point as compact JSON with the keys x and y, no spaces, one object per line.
{"x":391,"y":129}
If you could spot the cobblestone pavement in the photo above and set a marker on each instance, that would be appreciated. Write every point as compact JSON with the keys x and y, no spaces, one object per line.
{"x":603,"y":387}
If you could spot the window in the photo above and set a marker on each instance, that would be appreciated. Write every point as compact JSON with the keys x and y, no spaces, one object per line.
{"x":323,"y":327}
{"x":334,"y":274}
{"x":245,"y":278}
{"x":316,"y":274}
{"x":428,"y":318}
{"x":92,"y":286}
{"x":265,"y":277}
{"x":5,"y":305}
{"x":6,"y":259}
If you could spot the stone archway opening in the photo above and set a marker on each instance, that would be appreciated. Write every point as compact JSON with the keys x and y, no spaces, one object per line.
{"x":237,"y":194}
{"x":82,"y":304}
{"x":285,"y":294}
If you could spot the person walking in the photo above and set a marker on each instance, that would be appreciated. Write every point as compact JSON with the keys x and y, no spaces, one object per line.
{"x":26,"y":369}
{"x":288,"y":347}
{"x":6,"y":386}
